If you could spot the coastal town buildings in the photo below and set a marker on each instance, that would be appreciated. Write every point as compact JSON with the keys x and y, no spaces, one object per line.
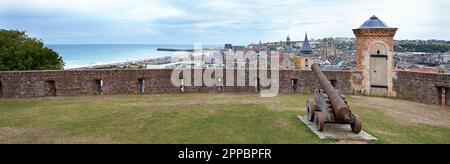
{"x":332,"y":53}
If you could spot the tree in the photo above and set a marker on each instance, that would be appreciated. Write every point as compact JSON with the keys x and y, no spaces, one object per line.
{"x":428,"y":48}
{"x":18,"y":51}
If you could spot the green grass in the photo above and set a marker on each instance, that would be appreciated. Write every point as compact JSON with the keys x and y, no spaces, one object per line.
{"x":186,"y":118}
{"x":393,"y":130}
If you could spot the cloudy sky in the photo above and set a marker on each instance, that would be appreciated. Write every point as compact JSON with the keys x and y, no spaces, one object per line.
{"x":217,"y":21}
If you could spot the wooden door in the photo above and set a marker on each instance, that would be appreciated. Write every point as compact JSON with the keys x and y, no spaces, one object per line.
{"x":378,"y":70}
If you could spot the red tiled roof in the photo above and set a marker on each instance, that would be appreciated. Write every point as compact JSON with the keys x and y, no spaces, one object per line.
{"x":428,"y":69}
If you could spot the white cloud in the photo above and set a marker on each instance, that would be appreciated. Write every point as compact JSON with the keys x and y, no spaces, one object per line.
{"x":120,"y":10}
{"x":248,"y":20}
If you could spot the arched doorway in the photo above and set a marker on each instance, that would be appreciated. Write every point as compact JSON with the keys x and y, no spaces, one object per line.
{"x":378,"y":70}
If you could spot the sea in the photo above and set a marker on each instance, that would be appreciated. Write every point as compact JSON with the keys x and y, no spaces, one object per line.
{"x":85,"y":55}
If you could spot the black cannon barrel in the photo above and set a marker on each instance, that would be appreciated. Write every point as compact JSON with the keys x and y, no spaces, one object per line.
{"x":340,"y":109}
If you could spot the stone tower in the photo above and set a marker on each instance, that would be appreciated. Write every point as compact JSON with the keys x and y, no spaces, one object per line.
{"x":328,"y":48}
{"x":374,"y":57}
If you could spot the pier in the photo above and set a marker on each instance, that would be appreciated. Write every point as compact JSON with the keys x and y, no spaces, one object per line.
{"x":175,"y":50}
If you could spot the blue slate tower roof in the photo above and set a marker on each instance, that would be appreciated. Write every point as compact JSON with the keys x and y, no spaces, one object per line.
{"x":306,"y":50}
{"x":374,"y":22}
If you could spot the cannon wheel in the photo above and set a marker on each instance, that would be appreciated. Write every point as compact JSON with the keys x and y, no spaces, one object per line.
{"x":357,"y":124}
{"x":320,"y":121}
{"x":311,"y":109}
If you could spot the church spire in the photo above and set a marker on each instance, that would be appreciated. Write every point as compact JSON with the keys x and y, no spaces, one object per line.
{"x":306,"y":50}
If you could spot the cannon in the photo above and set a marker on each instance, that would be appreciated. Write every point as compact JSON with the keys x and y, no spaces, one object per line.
{"x":330,"y":107}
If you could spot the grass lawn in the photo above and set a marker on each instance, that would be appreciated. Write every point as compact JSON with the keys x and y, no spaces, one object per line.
{"x":206,"y":118}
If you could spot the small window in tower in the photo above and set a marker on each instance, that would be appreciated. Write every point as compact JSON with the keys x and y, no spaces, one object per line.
{"x":306,"y":63}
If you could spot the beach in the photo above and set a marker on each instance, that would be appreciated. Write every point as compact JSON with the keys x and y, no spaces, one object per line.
{"x":79,"y":56}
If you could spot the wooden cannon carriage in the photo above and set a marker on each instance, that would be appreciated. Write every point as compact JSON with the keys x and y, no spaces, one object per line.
{"x":330,"y":107}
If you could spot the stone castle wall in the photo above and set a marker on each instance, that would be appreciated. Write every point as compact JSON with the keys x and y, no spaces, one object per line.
{"x":422,"y":87}
{"x":86,"y":82}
